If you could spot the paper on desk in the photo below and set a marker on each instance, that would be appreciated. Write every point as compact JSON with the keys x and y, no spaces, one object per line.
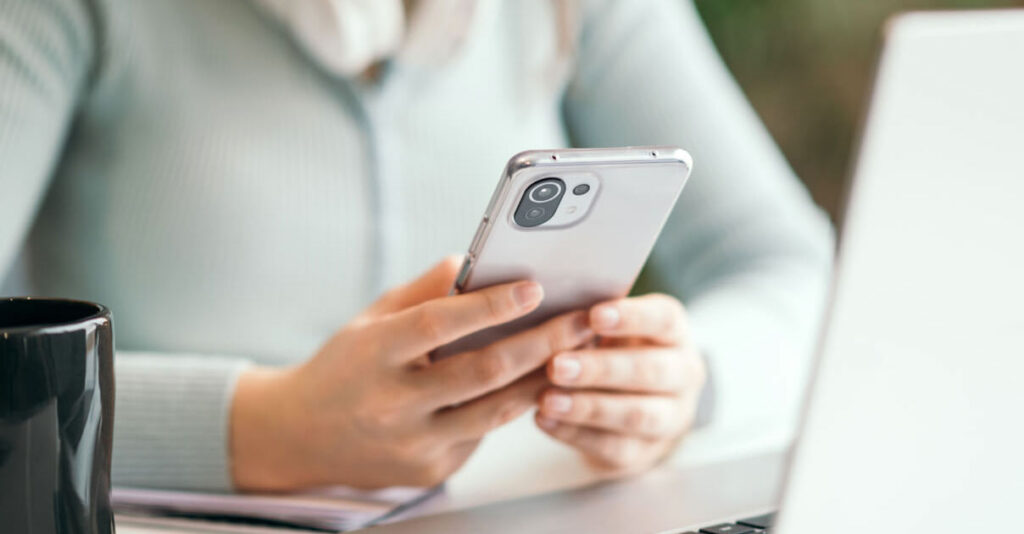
{"x":329,"y":509}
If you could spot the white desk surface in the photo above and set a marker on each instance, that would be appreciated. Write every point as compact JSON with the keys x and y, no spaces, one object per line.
{"x":518,"y":460}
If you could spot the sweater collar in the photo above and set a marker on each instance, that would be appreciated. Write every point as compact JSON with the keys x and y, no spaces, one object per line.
{"x":345,"y":37}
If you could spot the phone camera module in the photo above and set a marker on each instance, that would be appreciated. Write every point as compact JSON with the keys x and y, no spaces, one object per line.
{"x":540,"y":202}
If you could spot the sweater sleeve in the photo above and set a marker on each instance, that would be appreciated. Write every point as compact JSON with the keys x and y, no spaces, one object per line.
{"x":171,"y":425}
{"x":46,"y":53}
{"x":746,"y":249}
{"x":171,"y":422}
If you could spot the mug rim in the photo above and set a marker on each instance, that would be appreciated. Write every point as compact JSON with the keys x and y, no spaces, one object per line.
{"x":98,"y":312}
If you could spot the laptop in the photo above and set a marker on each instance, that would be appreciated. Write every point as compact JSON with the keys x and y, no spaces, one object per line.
{"x":915,"y":418}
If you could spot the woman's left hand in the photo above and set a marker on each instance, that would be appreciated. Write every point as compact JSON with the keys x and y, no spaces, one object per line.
{"x":627,"y":402}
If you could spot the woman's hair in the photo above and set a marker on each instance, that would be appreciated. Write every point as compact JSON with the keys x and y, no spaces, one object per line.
{"x":568,"y":25}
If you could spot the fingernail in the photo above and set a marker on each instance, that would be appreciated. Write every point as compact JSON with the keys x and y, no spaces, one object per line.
{"x":546,"y":423}
{"x":557,"y":403}
{"x":605,"y":317}
{"x":527,"y":294}
{"x":567,"y":368}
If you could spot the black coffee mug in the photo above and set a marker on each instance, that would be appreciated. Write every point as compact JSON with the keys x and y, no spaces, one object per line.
{"x":56,"y":416}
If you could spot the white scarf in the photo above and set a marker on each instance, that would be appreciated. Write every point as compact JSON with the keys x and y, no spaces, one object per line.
{"x":347,"y":36}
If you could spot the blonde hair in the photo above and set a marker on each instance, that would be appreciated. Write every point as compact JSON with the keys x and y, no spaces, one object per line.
{"x":568,"y":17}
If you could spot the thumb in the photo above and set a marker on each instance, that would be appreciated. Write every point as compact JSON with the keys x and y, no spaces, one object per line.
{"x":434,"y":283}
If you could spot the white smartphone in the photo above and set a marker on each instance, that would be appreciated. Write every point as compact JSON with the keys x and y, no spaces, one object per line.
{"x":581,"y":222}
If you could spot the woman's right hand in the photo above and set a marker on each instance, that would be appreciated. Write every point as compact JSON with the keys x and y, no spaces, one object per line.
{"x":369,"y":410}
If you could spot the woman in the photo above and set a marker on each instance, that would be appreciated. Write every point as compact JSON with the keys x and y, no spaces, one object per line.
{"x":240,"y":180}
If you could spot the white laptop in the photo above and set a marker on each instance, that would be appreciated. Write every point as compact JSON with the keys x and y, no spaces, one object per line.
{"x":915,"y":420}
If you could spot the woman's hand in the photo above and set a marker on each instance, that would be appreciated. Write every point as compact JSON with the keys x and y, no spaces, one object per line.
{"x":369,"y":409}
{"x":625,"y":403}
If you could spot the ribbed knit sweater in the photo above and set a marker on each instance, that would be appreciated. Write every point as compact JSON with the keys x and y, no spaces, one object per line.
{"x":186,"y":164}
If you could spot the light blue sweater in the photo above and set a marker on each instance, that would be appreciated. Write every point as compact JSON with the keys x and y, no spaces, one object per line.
{"x":183,"y":162}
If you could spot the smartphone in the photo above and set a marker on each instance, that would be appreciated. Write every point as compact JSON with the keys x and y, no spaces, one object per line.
{"x":581,"y":222}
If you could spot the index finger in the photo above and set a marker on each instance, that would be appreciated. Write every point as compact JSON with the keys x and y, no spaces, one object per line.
{"x":418,"y":330}
{"x":469,"y":375}
{"x":657,"y":317}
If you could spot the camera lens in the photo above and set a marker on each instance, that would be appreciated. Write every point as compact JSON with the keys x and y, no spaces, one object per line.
{"x":581,"y":189}
{"x":534,"y":213}
{"x":540,"y":202}
{"x":545,"y":191}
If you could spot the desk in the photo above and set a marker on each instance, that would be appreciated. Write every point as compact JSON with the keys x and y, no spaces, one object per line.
{"x":519,"y":461}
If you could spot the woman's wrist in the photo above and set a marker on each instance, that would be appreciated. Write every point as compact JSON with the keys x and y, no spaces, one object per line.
{"x":258,"y":430}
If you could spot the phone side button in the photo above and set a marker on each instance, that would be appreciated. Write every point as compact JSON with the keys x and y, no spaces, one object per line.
{"x":478,"y":236}
{"x":460,"y":281}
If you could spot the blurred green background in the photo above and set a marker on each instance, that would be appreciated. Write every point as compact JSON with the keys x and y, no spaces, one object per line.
{"x":807,"y":66}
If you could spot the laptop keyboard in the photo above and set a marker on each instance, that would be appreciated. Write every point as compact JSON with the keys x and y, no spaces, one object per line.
{"x":761,"y":524}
